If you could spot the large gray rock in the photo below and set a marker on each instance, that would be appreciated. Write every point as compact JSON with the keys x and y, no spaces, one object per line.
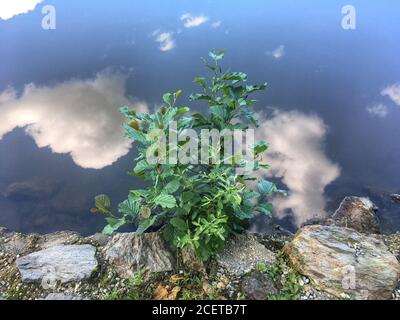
{"x":358,"y":214}
{"x":129,"y":253}
{"x":341,"y":261}
{"x":258,"y":286}
{"x":242,"y":254}
{"x":61,"y":297}
{"x":64,"y":263}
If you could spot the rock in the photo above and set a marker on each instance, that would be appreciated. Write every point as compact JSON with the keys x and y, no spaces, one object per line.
{"x":242,"y":254}
{"x":343,"y":262}
{"x":58,"y":238}
{"x":395,"y":197}
{"x":392,"y":241}
{"x":98,"y":239}
{"x":129,"y":253}
{"x":16,"y":244}
{"x":358,"y":214}
{"x":190,"y":261}
{"x":61,"y":296}
{"x":258,"y":286}
{"x":64,"y":263}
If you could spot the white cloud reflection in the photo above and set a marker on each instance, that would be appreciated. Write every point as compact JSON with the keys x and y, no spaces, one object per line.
{"x":77,"y":117}
{"x":191,"y":21}
{"x":297,"y":156}
{"x":393,"y":92}
{"x":165,"y":39}
{"x":378,"y":110}
{"x":12,"y":8}
{"x":277,"y":53}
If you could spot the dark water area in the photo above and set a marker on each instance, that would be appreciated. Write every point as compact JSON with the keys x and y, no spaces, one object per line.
{"x":331,"y":111}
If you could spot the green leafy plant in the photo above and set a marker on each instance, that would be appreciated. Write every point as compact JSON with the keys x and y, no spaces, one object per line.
{"x":199,"y":206}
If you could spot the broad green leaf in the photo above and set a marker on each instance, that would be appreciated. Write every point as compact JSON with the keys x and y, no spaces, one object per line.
{"x":253,"y":88}
{"x":199,"y":96}
{"x":182,"y":110}
{"x":167,"y":98}
{"x":139,"y":193}
{"x":177,"y":95}
{"x":266,"y":188}
{"x":134,"y":134}
{"x":265,"y":209}
{"x":172,"y":187}
{"x":113,"y":225}
{"x":188,"y":196}
{"x":250,"y":195}
{"x":200,"y":81}
{"x":235,"y":77}
{"x":184,"y":122}
{"x":103,"y":203}
{"x":243,"y":213}
{"x":128,"y":113}
{"x":250,"y":116}
{"x":169,"y":234}
{"x":145,"y":225}
{"x":145,"y":212}
{"x":166,"y":201}
{"x":179,"y":224}
{"x":219,"y":112}
{"x":141,"y":166}
{"x":260,"y":147}
{"x":129,"y":207}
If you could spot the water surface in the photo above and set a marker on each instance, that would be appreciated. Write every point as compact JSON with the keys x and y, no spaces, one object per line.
{"x":331,"y":111}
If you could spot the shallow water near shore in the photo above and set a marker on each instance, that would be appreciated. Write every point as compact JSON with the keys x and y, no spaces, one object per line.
{"x":331,"y":111}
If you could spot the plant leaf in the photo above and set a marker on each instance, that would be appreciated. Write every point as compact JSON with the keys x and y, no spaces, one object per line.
{"x":266,"y":188}
{"x":260,"y":147}
{"x":145,"y":225}
{"x":179,"y":224}
{"x":166,"y":201}
{"x":172,"y":187}
{"x":129,"y":207}
{"x":265,"y":209}
{"x":103,"y":203}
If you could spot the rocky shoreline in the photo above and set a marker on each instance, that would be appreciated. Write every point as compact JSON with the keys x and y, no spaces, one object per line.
{"x":343,"y":257}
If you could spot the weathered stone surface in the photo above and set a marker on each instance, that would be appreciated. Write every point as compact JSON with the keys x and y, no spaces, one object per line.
{"x":64,"y":263}
{"x":242,"y":254}
{"x":61,"y":296}
{"x":258,"y":286}
{"x":129,"y":253}
{"x":358,"y":214}
{"x":342,"y":261}
{"x":98,"y":239}
{"x":16,"y":244}
{"x":190,"y":261}
{"x":58,"y":238}
{"x":395,"y":197}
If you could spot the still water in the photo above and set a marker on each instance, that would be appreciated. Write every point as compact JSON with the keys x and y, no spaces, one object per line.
{"x":331,"y":112}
